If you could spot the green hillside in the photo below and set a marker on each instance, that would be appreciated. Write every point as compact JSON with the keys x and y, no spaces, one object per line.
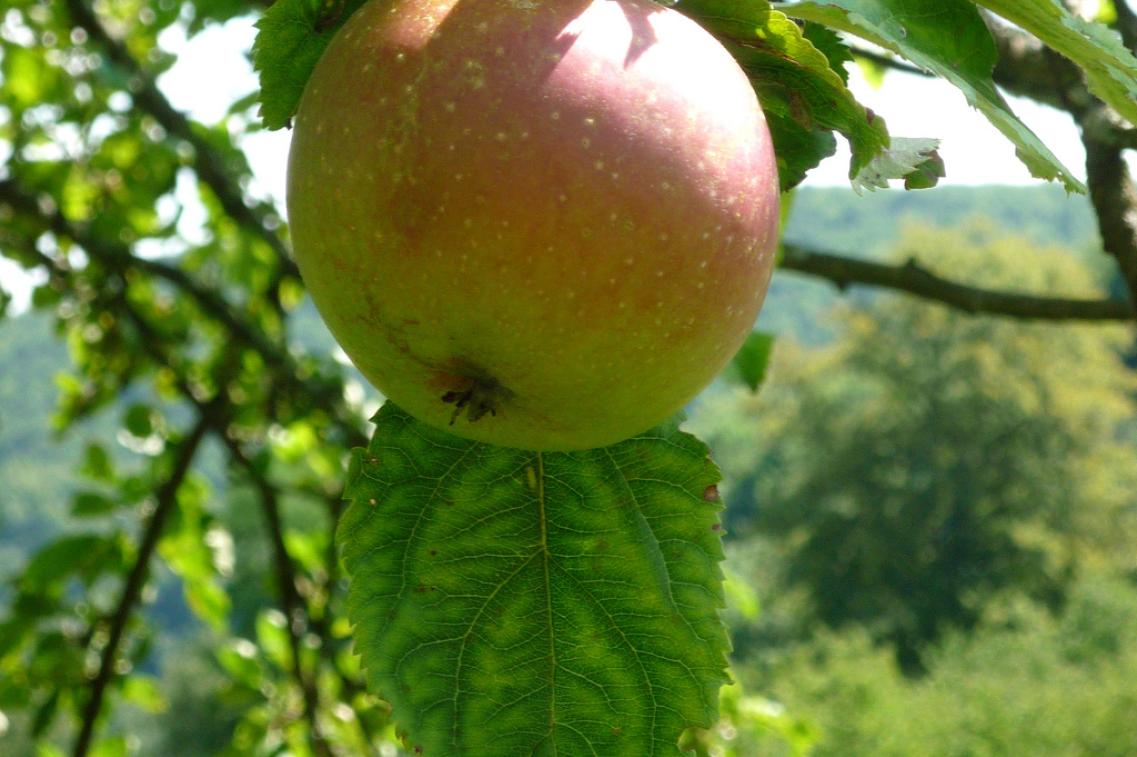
{"x":838,"y":220}
{"x":36,"y":469}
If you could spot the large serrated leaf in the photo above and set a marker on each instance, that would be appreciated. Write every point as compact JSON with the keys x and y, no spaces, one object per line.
{"x":509,"y":602}
{"x":291,"y":37}
{"x":1111,"y":69}
{"x":801,"y":93}
{"x":950,"y":39}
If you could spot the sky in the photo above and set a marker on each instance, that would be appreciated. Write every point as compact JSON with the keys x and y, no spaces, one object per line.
{"x":212,"y":71}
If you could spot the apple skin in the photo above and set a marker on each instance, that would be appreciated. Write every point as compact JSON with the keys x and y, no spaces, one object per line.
{"x":540,"y":224}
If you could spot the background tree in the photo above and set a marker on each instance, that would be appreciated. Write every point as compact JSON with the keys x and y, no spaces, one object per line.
{"x":927,"y":462}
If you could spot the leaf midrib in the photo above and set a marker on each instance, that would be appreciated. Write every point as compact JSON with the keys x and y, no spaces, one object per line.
{"x":548,"y":601}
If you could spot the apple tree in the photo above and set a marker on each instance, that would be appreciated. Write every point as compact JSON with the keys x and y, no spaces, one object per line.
{"x":531,"y":550}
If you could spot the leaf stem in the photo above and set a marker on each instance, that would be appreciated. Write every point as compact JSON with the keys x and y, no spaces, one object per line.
{"x":912,"y":278}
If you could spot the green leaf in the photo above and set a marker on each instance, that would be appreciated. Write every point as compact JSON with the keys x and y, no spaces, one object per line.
{"x":291,"y":37}
{"x":115,"y":746}
{"x":144,"y":693}
{"x":27,"y":75}
{"x":513,"y":602}
{"x":871,"y":70}
{"x":1111,"y":69}
{"x":186,"y":547}
{"x":239,"y":659}
{"x":97,"y":463}
{"x":91,"y":504}
{"x":914,"y":160}
{"x":798,"y":149}
{"x":45,"y":296}
{"x":965,"y":57}
{"x":138,"y":420}
{"x":740,"y":596}
{"x":926,"y":174}
{"x":831,"y":46}
{"x":803,"y":97}
{"x":785,"y":209}
{"x":753,"y":358}
{"x":84,"y":555}
{"x":45,"y":714}
{"x":272,"y":637}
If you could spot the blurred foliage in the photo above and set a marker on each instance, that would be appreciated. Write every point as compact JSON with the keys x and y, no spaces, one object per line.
{"x":1024,"y":682}
{"x":928,"y":463}
{"x":197,"y":479}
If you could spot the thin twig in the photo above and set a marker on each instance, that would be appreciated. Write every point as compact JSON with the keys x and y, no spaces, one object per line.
{"x":165,"y":502}
{"x":293,"y":606}
{"x":151,"y":341}
{"x":117,"y":256}
{"x":1114,"y":198}
{"x":889,"y":62}
{"x":1126,"y":24}
{"x":1027,"y":68}
{"x":917,"y":280}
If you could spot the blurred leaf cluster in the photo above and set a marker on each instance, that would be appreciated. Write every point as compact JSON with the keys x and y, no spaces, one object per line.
{"x":209,"y":479}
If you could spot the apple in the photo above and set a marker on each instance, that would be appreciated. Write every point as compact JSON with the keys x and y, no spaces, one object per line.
{"x":543,"y":224}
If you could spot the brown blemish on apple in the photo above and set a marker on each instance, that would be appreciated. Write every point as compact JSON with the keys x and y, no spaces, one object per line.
{"x":472,"y":390}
